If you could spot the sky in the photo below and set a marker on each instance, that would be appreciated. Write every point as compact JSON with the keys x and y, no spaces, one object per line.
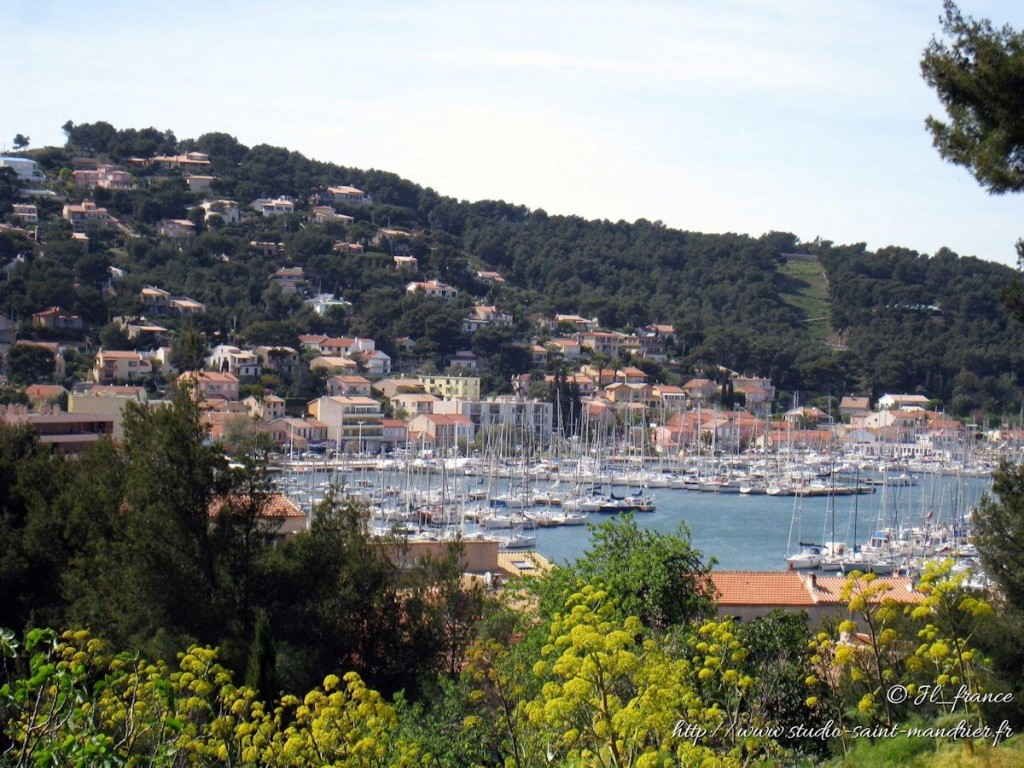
{"x":744,"y":116}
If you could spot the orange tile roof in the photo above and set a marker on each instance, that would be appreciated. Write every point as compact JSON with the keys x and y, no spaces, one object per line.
{"x":44,"y":390}
{"x":760,"y":588}
{"x":275,"y":505}
{"x":829,"y":588}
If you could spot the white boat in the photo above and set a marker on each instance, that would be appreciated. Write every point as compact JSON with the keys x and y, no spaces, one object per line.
{"x":808,"y":557}
{"x":517,"y":541}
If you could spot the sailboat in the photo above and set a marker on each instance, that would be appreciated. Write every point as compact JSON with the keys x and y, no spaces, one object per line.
{"x":809,"y":555}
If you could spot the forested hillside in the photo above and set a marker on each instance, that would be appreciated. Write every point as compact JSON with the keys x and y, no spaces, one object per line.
{"x":901,"y":321}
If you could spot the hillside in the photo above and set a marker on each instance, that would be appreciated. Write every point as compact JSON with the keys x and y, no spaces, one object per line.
{"x":736,"y":301}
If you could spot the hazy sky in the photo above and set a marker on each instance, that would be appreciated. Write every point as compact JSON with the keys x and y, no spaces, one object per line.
{"x":711,"y":115}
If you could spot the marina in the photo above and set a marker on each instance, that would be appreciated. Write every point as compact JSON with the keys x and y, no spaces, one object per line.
{"x":826,"y":519}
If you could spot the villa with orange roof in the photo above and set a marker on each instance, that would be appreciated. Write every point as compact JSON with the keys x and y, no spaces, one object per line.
{"x":115,"y":365}
{"x":750,"y":595}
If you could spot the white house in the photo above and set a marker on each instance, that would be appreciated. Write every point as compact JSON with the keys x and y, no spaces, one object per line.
{"x":26,"y":170}
{"x":889,"y":402}
{"x":433,"y":288}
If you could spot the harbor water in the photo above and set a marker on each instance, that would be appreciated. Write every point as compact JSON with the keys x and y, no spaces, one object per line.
{"x":740,"y":531}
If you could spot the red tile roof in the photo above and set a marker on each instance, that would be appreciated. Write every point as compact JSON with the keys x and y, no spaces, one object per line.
{"x":901,"y":589}
{"x":276,"y":505}
{"x":761,"y":588}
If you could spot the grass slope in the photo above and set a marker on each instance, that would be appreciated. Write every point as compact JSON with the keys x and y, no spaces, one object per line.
{"x":804,"y":287}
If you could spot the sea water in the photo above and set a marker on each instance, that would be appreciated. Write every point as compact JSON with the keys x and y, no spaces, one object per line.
{"x":756,"y":532}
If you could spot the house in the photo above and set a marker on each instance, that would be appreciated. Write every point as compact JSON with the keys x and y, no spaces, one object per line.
{"x":44,"y":394}
{"x":279,"y":516}
{"x":347,"y":194}
{"x":325,"y":302}
{"x":282,"y":360}
{"x":155,"y":298}
{"x":224,"y":210}
{"x":345,"y":346}
{"x":175,"y":228}
{"x":395,"y":239}
{"x":162,"y":358}
{"x":584,"y":384}
{"x":85,"y":217}
{"x":274,"y":207}
{"x":851,"y":406}
{"x":538,"y":355}
{"x":440,"y":431}
{"x":198,"y":184}
{"x":483,"y":316}
{"x":452,"y":387}
{"x":186,"y":306}
{"x":757,"y":389}
{"x":105,"y":176}
{"x":348,"y":385}
{"x":700,"y":390}
{"x":297,"y":433}
{"x":620,"y":392}
{"x":508,"y":412}
{"x":396,"y":386}
{"x":71,"y":433}
{"x":353,"y":421}
{"x":322,"y":214}
{"x":631,"y":375}
{"x":56,"y":319}
{"x":115,"y":365}
{"x":135,"y":327}
{"x":25,"y":170}
{"x":266,"y":408}
{"x":265,"y":248}
{"x":669,"y":396}
{"x":188,"y":163}
{"x":106,"y":401}
{"x":663,"y":331}
{"x":334,"y":364}
{"x":602,"y":342}
{"x":567,"y":348}
{"x":577,"y":322}
{"x":891,"y":402}
{"x":433,"y":288}
{"x":466,"y":359}
{"x":415,"y":403}
{"x":312,"y":341}
{"x":289,"y":278}
{"x":244,"y":365}
{"x":343,"y":247}
{"x":209,"y":385}
{"x":491,"y":278}
{"x":748,"y":595}
{"x":28,"y":213}
{"x":808,"y":416}
{"x":375,"y":362}
{"x":394,"y":433}
{"x":406,"y":262}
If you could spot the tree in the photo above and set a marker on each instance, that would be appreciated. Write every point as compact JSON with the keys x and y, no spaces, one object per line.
{"x":188,"y":350}
{"x":77,"y":703}
{"x":172,"y":586}
{"x":20,"y":141}
{"x":30,"y":364}
{"x":31,"y":558}
{"x":978,"y":76}
{"x":999,"y":533}
{"x":660,"y":578}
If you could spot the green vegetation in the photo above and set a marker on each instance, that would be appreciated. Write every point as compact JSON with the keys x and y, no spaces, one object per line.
{"x":806,"y":289}
{"x":252,"y":649}
{"x":910,"y":322}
